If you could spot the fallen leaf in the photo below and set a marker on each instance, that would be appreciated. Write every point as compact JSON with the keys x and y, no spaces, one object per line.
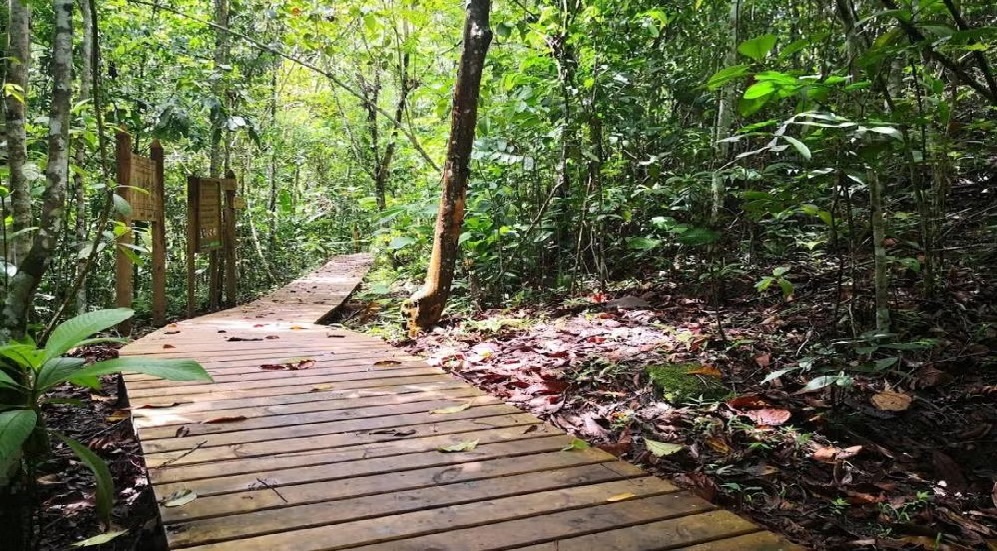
{"x":320,"y":388}
{"x":166,"y":346}
{"x":243,"y":339}
{"x":271,"y":337}
{"x":763,"y":360}
{"x":387,"y":362}
{"x":161,"y":406}
{"x":452,"y":409}
{"x":101,"y":398}
{"x":180,"y":498}
{"x":100,"y":539}
{"x":118,"y":415}
{"x":293,"y":365}
{"x":576,"y":444}
{"x":890,"y":400}
{"x":181,"y":432}
{"x":259,"y":325}
{"x":706,"y":371}
{"x":948,"y":470}
{"x":296,"y":327}
{"x":464,"y":446}
{"x":748,"y":401}
{"x":621,"y":497}
{"x":219,"y":420}
{"x":831,"y":454}
{"x":769,"y":417}
{"x":661,"y":449}
{"x":171,"y":332}
{"x":719,"y":445}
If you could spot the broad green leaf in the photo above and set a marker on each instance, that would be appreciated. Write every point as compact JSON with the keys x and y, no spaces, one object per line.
{"x":759,"y":90}
{"x":464,"y":446}
{"x":661,"y":449}
{"x":121,"y":206}
{"x":170,"y":369}
{"x":24,"y":355}
{"x":105,"y":484}
{"x":57,"y":370}
{"x":886,"y":363}
{"x":576,"y":444}
{"x":7,"y":381}
{"x":70,"y":333}
{"x":100,"y":539}
{"x":757,"y":48}
{"x":801,"y":148}
{"x":400,"y":243}
{"x":15,"y":428}
{"x":725,"y":75}
{"x":750,"y":106}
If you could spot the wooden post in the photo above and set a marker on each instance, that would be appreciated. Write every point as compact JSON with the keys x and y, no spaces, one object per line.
{"x":158,"y":238}
{"x":123,"y":287}
{"x":228,"y":239}
{"x":192,"y":242}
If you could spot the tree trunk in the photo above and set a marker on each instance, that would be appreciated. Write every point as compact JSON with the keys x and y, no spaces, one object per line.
{"x":18,"y":61}
{"x":725,"y":116}
{"x":80,"y":230}
{"x":425,"y":307}
{"x":881,"y":280}
{"x":219,"y":88}
{"x":24,"y":284}
{"x":384,"y":165}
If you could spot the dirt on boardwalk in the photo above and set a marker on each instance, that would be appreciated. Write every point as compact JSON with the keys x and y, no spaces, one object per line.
{"x":903,"y":457}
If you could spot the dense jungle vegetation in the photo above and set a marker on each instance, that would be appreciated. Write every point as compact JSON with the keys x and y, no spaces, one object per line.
{"x":797,"y":197}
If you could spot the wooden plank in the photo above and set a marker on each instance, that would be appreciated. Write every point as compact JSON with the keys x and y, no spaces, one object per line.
{"x":257,"y":493}
{"x":345,"y":403}
{"x":257,"y":522}
{"x":451,"y":519}
{"x":198,"y":453}
{"x":508,"y":441}
{"x":231,"y":422}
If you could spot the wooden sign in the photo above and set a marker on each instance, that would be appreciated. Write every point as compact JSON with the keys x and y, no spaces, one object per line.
{"x":145,"y":201}
{"x":209,"y":215}
{"x":140,"y":184}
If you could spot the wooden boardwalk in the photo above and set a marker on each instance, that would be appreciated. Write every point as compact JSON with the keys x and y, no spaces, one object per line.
{"x":317,"y":438}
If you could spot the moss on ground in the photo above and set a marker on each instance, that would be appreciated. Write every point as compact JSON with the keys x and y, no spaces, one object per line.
{"x":677,"y":384}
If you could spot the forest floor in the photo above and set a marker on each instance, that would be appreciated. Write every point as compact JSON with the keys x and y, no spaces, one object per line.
{"x":900,"y":458}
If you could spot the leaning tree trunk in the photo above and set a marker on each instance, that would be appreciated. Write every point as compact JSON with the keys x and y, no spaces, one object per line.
{"x":18,"y":61}
{"x":25,"y":282}
{"x":425,"y":307}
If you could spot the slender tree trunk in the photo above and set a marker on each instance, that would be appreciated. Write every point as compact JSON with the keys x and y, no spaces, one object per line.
{"x":425,"y":307}
{"x":80,"y":229}
{"x":219,"y":88}
{"x":384,"y":166}
{"x":725,"y":116}
{"x":881,"y":280}
{"x":24,"y":284}
{"x":18,"y":63}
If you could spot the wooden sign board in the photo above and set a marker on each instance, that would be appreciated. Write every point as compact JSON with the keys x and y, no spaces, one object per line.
{"x":145,"y":201}
{"x":209,"y":214}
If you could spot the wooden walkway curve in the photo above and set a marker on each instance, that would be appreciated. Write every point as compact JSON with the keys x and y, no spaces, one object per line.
{"x":343,"y":452}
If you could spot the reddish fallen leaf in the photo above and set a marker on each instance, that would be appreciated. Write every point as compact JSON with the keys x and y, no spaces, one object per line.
{"x":273,"y":367}
{"x":168,"y":346}
{"x":271,"y":337}
{"x":748,"y":401}
{"x":861,"y":498}
{"x":596,"y":340}
{"x":219,"y":420}
{"x":160,"y":406}
{"x":768,"y":416}
{"x":597,"y":298}
{"x":706,"y":371}
{"x":763,"y":360}
{"x":260,"y":325}
{"x":890,"y":400}
{"x":171,"y":332}
{"x":383,"y":363}
{"x":831,"y":454}
{"x":293,"y":365}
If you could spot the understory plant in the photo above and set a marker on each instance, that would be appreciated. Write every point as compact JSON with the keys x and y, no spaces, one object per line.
{"x":28,"y":372}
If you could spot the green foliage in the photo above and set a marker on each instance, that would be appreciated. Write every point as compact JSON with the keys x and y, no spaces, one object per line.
{"x":29,"y":372}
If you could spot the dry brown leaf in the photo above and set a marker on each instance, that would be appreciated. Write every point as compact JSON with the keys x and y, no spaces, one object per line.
{"x":296,"y":328}
{"x":719,"y":445}
{"x":831,"y":454}
{"x":707,"y":371}
{"x":763,"y":360}
{"x":219,"y":420}
{"x":383,"y":363}
{"x":452,"y":409}
{"x":891,"y":400}
{"x":748,"y":401}
{"x":621,"y":497}
{"x":118,"y":415}
{"x":320,"y":388}
{"x":168,"y":346}
{"x":768,"y":416}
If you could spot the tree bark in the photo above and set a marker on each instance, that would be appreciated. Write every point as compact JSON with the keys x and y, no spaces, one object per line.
{"x":219,"y":88}
{"x":725,"y":116}
{"x":24,"y":284}
{"x":881,"y":281}
{"x":425,"y":307}
{"x":18,"y":62}
{"x":80,"y":229}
